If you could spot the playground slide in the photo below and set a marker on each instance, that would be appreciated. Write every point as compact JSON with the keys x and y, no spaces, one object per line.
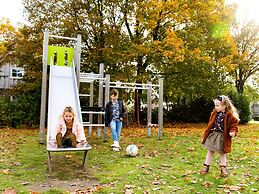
{"x":63,"y":91}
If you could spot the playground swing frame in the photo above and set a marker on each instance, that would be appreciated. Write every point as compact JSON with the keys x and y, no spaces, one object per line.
{"x":104,"y":82}
{"x":142,"y":86}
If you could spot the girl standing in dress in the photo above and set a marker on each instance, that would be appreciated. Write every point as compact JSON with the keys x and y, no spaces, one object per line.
{"x":221,"y":128}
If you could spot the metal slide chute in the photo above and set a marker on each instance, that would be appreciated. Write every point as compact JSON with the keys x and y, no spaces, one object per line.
{"x":63,"y":91}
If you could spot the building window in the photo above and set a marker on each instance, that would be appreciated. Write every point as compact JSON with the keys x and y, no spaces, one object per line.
{"x":17,"y":73}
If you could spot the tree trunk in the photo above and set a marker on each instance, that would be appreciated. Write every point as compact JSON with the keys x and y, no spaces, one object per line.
{"x":137,"y":101}
{"x":240,"y":86}
{"x":138,"y":92}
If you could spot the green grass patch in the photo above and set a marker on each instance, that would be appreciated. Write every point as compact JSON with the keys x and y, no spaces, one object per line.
{"x":168,"y":165}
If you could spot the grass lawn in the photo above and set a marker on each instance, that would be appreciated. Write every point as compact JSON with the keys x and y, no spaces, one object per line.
{"x":168,"y":165}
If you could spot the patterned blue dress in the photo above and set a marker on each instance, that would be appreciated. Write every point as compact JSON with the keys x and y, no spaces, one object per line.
{"x":215,"y":140}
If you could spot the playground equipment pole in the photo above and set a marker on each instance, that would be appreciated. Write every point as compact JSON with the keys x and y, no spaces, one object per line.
{"x":77,"y":58}
{"x":160,"y":108}
{"x":91,"y":103}
{"x":44,"y":85}
{"x":149,"y":108}
{"x":106,"y":100}
{"x":100,"y":99}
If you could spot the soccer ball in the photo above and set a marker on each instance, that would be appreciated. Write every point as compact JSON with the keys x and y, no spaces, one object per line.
{"x":132,"y":150}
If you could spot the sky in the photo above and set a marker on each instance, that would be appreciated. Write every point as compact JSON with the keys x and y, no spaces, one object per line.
{"x":12,"y":9}
{"x":248,"y":9}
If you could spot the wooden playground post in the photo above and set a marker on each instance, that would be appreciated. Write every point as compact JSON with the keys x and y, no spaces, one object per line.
{"x":160,"y":108}
{"x":44,"y":85}
{"x":100,"y":98}
{"x":106,"y":100}
{"x":149,"y":109}
{"x":77,"y":58}
{"x":91,"y":103}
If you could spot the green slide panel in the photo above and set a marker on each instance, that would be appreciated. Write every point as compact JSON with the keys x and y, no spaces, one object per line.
{"x":60,"y":56}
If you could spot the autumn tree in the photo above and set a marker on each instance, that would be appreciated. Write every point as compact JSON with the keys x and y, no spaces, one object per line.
{"x":8,"y":34}
{"x":19,"y":45}
{"x":97,"y":22}
{"x":175,"y":39}
{"x":184,"y":41}
{"x":245,"y":54}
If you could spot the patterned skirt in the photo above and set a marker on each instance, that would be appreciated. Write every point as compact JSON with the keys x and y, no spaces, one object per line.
{"x":215,"y":142}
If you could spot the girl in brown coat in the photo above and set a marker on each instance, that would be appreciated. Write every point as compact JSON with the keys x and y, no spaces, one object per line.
{"x":221,"y":128}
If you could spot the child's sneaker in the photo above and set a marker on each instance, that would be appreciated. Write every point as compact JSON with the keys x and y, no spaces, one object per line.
{"x":115,"y":149}
{"x":115,"y":144}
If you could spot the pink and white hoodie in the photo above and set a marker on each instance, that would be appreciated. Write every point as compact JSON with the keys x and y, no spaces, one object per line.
{"x":77,"y":129}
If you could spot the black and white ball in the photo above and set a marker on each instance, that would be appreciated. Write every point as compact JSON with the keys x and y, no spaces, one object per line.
{"x":132,"y":150}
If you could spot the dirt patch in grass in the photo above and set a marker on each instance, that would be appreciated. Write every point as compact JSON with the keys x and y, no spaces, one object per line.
{"x":67,"y":186}
{"x":67,"y":175}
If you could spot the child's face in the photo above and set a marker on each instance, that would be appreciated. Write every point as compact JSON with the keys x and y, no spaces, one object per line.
{"x":219,"y":106}
{"x":114,"y":98}
{"x":68,"y":117}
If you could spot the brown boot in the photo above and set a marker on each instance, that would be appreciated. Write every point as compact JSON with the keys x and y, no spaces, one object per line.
{"x":59,"y":140}
{"x":224,"y":171}
{"x":205,"y":169}
{"x":73,"y":140}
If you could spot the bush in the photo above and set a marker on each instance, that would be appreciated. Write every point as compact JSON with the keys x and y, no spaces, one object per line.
{"x":196,"y":111}
{"x":241,"y":102}
{"x":4,"y":111}
{"x":23,"y":111}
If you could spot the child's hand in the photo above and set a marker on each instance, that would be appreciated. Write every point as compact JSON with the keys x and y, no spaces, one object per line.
{"x":232,"y":134}
{"x":121,"y":119}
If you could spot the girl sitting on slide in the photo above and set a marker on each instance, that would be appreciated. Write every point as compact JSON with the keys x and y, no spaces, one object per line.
{"x":69,"y":131}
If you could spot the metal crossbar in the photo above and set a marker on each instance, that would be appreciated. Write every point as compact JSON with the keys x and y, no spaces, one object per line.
{"x":130,"y":87}
{"x":62,"y":37}
{"x":134,"y":84}
{"x":93,"y":125}
{"x":92,"y":112}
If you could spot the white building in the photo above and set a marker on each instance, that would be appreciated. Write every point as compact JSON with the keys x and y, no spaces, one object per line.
{"x":10,"y":75}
